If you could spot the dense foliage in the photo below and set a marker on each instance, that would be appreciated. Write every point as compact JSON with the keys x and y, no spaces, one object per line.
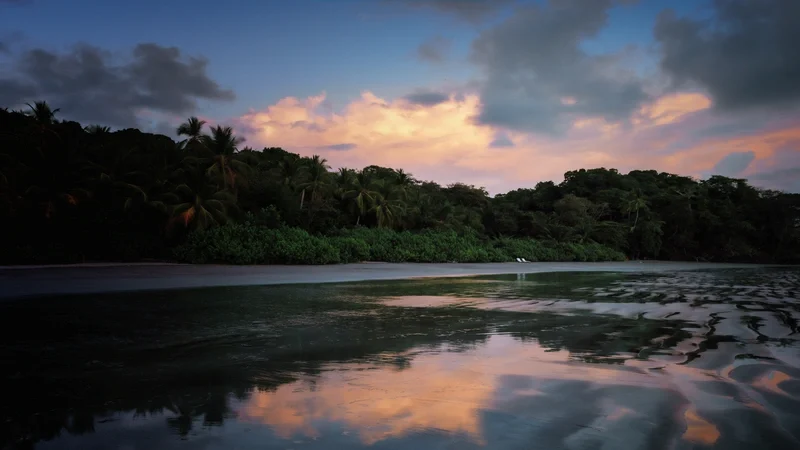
{"x":251,"y":244}
{"x":70,"y":194}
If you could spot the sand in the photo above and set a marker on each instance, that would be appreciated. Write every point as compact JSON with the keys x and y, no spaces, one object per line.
{"x":27,"y":281}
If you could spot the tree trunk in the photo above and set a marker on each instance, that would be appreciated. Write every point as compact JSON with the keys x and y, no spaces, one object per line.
{"x":302,"y":198}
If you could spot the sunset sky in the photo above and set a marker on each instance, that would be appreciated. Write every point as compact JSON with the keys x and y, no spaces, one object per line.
{"x":496,"y":93}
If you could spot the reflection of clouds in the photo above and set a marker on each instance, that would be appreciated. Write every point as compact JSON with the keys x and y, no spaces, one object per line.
{"x":509,"y":391}
{"x":771,"y":381}
{"x":444,"y":392}
{"x":699,"y":430}
{"x":434,"y":393}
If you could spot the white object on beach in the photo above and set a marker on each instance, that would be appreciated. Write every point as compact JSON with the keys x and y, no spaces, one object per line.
{"x":519,"y":259}
{"x":523,"y":260}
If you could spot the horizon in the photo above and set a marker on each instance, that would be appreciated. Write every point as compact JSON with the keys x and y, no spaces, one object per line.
{"x":494,"y":93}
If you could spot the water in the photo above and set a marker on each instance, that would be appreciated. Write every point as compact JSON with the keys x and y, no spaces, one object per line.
{"x":704,"y":359}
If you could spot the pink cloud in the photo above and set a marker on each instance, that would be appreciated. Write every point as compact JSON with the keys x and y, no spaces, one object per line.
{"x":677,"y":133}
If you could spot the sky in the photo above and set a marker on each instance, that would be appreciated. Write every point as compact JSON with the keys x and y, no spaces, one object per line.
{"x":496,"y":93}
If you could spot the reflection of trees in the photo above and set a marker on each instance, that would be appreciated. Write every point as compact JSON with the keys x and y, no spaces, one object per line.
{"x":186,"y":354}
{"x":597,"y":338}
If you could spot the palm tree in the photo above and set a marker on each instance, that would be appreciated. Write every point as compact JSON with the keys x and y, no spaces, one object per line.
{"x":97,"y":129}
{"x":53,"y":198}
{"x":363,"y":192}
{"x":193,"y":128}
{"x":222,"y":144}
{"x":116,"y":177}
{"x":404,"y":180}
{"x":344,"y":179}
{"x":291,"y":171}
{"x":42,"y":112}
{"x":197,"y":204}
{"x":317,"y":169}
{"x":388,"y":206}
{"x":54,"y":184}
{"x":342,"y":182}
{"x":635,"y":203}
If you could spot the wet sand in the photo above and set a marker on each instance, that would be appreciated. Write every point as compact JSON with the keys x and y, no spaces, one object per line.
{"x":27,"y":281}
{"x":670,"y":359}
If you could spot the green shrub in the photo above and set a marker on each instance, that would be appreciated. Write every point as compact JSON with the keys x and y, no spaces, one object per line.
{"x":351,"y":250}
{"x":251,"y":244}
{"x":248,"y":243}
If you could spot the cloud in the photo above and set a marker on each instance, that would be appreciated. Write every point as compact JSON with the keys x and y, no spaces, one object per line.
{"x":440,"y":142}
{"x":745,"y":57}
{"x":539,"y":79}
{"x":426,"y":98}
{"x":501,"y":140}
{"x":783,"y":179}
{"x":340,"y":147}
{"x":434,"y":50}
{"x":8,"y":40}
{"x":733,"y":163}
{"x":90,"y":85}
{"x":165,"y":128}
{"x":473,"y":11}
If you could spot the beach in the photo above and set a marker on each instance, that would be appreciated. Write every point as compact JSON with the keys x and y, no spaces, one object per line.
{"x":31,"y":281}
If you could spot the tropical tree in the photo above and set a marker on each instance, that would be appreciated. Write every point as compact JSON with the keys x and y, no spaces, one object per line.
{"x":97,"y":129}
{"x":198,"y":204}
{"x":291,"y":171}
{"x":403,"y":181}
{"x":222,"y":144}
{"x":192,"y":128}
{"x":363,"y":193}
{"x":635,"y":203}
{"x":116,"y":179}
{"x":344,"y":178}
{"x":317,"y":170}
{"x":54,"y":182}
{"x":388,"y":205}
{"x":65,"y":188}
{"x":42,"y":113}
{"x":222,"y":141}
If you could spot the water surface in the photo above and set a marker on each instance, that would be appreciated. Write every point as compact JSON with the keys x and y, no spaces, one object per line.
{"x":700,"y":359}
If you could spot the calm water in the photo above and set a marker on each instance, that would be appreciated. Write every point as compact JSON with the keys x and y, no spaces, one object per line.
{"x":707,"y":359}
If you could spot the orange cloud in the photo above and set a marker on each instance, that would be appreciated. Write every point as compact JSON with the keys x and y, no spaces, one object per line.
{"x":443,"y":143}
{"x":671,"y":108}
{"x":706,"y":153}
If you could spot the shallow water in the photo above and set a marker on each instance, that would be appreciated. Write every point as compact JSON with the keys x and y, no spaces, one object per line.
{"x":705,"y":359}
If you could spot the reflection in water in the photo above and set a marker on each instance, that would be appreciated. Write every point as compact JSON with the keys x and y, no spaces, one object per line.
{"x":442,"y":391}
{"x":378,"y":404}
{"x":771,"y":381}
{"x":698,"y":430}
{"x":573,"y":361}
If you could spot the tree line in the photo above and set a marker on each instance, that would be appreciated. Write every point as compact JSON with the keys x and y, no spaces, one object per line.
{"x":70,"y":193}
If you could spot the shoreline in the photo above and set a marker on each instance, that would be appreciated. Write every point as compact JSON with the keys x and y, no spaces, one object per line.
{"x":18,"y":282}
{"x":92,"y":264}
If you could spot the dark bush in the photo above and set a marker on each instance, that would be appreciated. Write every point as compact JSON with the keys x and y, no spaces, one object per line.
{"x":252,"y":244}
